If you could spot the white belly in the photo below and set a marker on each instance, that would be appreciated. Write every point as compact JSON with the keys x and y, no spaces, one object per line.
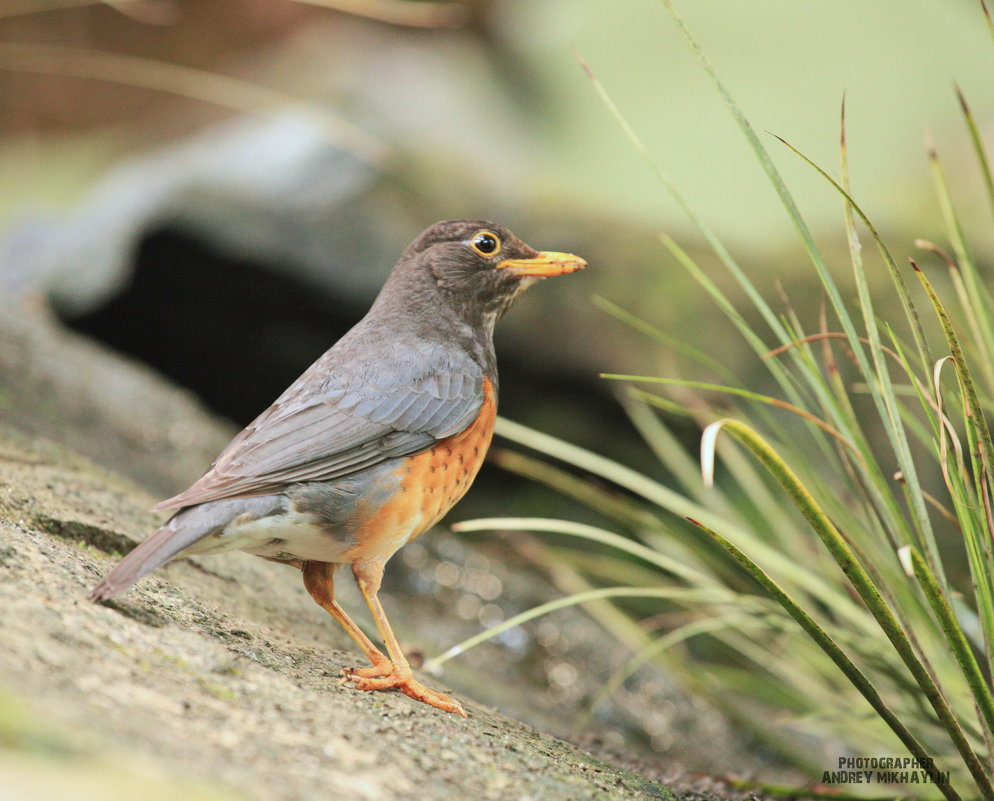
{"x":287,"y":536}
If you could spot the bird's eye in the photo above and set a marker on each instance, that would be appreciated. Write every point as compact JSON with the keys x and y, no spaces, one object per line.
{"x":486,"y":243}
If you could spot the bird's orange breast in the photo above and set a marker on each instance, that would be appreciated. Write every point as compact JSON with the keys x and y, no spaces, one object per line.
{"x":431,"y":482}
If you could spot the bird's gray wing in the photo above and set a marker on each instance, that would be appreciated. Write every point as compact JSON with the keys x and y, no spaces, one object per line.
{"x":337,"y":419}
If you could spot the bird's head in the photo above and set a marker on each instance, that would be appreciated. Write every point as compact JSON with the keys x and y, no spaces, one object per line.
{"x":480,"y":267}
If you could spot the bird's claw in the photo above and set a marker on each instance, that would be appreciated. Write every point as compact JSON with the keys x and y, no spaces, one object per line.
{"x":380,"y":668}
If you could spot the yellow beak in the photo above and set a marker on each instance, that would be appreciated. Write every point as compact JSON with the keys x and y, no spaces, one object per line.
{"x":544,"y":265}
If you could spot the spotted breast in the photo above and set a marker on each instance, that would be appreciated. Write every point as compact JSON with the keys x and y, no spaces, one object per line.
{"x":431,"y":482}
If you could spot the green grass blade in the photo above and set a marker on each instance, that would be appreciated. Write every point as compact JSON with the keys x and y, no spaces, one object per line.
{"x":975,"y":412}
{"x":692,"y":596}
{"x":594,"y":534}
{"x":954,"y":634}
{"x":882,"y":389}
{"x":742,"y":393}
{"x":670,"y":451}
{"x":763,"y":157}
{"x":662,"y":337}
{"x":861,"y":581}
{"x":978,"y":299}
{"x":664,"y":497}
{"x":835,"y":653}
{"x":716,"y":245}
{"x":620,"y":510}
{"x":978,"y":146}
{"x":883,"y":395}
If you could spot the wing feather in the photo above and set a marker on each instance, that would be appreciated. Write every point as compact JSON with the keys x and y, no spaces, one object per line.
{"x":332,"y":422}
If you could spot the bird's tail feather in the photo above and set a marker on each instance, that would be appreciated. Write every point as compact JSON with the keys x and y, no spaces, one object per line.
{"x":157,"y":549}
{"x":182,"y":530}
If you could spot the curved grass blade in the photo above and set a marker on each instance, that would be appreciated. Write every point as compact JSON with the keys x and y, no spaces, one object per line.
{"x":897,"y":278}
{"x":978,"y":546}
{"x":572,"y":486}
{"x":966,"y":303}
{"x":914,"y":497}
{"x":743,"y":393}
{"x":977,"y":299}
{"x":836,"y":654}
{"x":664,"y":497}
{"x":861,"y":582}
{"x":696,"y":596}
{"x":594,"y":534}
{"x":916,"y":566}
{"x":975,"y":412}
{"x":882,"y":389}
{"x":669,"y":451}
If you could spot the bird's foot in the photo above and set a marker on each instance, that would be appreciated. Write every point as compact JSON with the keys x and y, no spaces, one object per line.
{"x":400,"y":679}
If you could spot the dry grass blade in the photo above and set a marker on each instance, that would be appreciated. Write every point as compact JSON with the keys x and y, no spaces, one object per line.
{"x":947,"y":433}
{"x":195,"y":84}
{"x":974,"y":410}
{"x":20,"y":8}
{"x":823,"y":336}
{"x":410,"y":13}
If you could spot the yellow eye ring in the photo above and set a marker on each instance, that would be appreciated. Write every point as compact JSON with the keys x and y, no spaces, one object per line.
{"x":486,"y":243}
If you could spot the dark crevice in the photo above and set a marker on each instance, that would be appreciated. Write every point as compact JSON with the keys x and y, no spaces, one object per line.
{"x":140,"y":614}
{"x":110,"y":542}
{"x":235,"y":332}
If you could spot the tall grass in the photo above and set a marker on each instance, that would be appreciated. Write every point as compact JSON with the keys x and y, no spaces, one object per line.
{"x":832,"y":558}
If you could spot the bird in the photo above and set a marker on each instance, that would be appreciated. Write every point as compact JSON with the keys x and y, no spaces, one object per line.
{"x":372,"y":445}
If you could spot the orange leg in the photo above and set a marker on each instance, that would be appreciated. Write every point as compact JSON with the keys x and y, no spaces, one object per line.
{"x":369,"y":576}
{"x":319,"y":579}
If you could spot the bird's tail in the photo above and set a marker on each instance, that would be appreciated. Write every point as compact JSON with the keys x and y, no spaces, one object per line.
{"x":180,"y":532}
{"x":158,"y":548}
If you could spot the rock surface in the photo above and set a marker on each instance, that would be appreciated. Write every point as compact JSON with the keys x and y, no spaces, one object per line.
{"x":228,"y":684}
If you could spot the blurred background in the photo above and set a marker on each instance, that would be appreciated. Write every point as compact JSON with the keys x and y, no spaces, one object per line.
{"x":234,"y":179}
{"x":219,"y":187}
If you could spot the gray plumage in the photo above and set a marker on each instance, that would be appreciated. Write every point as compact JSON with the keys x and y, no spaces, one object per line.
{"x":392,"y":386}
{"x":409,"y":374}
